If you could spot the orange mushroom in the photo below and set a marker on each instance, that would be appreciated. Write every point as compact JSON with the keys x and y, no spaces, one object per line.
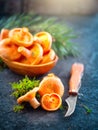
{"x":8,"y":50}
{"x":21,"y":36}
{"x":45,"y":40}
{"x":4,"y":34}
{"x":51,"y":84}
{"x":30,"y":97}
{"x":50,"y":56}
{"x":33,"y":55}
{"x":51,"y":102}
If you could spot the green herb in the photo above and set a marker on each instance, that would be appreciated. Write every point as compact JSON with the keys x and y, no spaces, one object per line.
{"x":62,"y":107}
{"x":23,"y":86}
{"x":62,"y":34}
{"x":2,"y":65}
{"x":88,"y":110}
{"x":18,"y":108}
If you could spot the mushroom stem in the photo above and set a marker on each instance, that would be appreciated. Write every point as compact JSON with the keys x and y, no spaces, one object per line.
{"x":24,"y":51}
{"x":34,"y":103}
{"x":30,"y":97}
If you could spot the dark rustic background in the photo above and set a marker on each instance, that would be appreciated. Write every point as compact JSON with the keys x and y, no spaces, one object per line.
{"x":86,"y":26}
{"x":48,"y":7}
{"x":30,"y":119}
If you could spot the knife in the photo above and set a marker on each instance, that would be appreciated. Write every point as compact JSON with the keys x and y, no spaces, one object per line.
{"x":74,"y":86}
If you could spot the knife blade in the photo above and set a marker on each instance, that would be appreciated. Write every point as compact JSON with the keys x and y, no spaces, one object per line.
{"x":74,"y":86}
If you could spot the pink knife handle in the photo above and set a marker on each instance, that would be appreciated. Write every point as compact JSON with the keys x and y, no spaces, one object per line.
{"x":75,"y":80}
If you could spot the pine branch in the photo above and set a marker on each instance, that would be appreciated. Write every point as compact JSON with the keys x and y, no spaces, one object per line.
{"x":62,"y":34}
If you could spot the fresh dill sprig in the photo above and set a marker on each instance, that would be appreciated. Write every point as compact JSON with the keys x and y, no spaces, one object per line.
{"x":23,"y":86}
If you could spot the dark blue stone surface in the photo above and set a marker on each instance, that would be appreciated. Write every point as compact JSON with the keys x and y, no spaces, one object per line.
{"x":87,"y":29}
